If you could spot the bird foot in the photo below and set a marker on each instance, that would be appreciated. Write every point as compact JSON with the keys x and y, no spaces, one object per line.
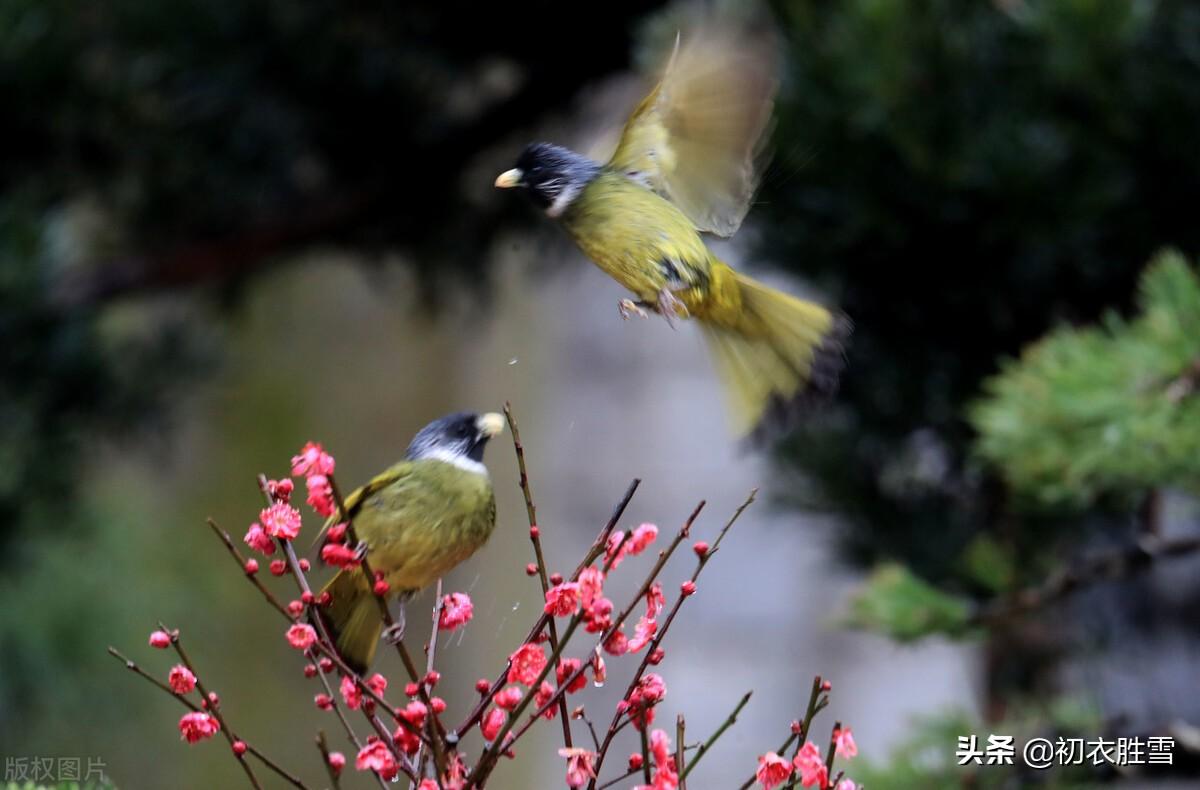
{"x":394,"y":633}
{"x":670,"y":307}
{"x":628,"y":307}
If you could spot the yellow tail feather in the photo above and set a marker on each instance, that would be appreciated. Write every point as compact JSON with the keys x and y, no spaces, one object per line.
{"x":353,"y":618}
{"x":774,"y":352}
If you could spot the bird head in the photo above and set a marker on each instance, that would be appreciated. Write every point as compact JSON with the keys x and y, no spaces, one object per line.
{"x":552,"y":175}
{"x":458,"y":439}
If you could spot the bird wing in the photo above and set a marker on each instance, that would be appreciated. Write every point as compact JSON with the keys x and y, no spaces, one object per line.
{"x":698,"y":138}
{"x":359,"y":495}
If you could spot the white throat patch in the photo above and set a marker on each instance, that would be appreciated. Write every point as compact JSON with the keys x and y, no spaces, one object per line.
{"x":456,"y":459}
{"x":564,"y":199}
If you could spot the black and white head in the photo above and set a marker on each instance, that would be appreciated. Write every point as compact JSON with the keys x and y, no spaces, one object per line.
{"x":457,"y":439}
{"x":552,"y":175}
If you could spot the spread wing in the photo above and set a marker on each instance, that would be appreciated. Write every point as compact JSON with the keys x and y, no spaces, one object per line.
{"x":698,"y":138}
{"x":356,"y":497}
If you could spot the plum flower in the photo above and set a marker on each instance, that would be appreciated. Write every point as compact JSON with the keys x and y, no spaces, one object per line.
{"x":543,"y":695}
{"x":280,"y":521}
{"x":301,"y":636}
{"x":197,"y":726}
{"x":508,"y":697}
{"x":457,"y":611}
{"x":377,"y":683}
{"x":642,"y":634}
{"x":565,"y":669}
{"x":579,"y":766}
{"x":591,"y":585}
{"x":320,"y":495}
{"x":654,"y":600}
{"x":257,"y":539}
{"x":660,"y":747}
{"x":526,"y":664}
{"x":599,"y":670}
{"x":339,"y":555}
{"x":376,"y":757}
{"x":489,"y":725}
{"x":617,"y":644}
{"x":772,"y":770}
{"x":351,"y":693}
{"x":562,"y":600}
{"x":808,"y":762}
{"x":847,"y":784}
{"x":598,"y":615}
{"x":843,"y":740}
{"x":642,"y":537}
{"x":160,"y":639}
{"x":181,"y":680}
{"x":312,"y":460}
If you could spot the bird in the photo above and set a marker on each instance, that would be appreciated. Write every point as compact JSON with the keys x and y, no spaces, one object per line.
{"x":417,"y":520}
{"x":687,"y":165}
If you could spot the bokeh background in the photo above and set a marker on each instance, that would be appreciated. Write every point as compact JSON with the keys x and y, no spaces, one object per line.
{"x":228,"y":228}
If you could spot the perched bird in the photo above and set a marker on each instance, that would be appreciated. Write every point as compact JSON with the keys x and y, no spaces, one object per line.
{"x":418,"y":520}
{"x":688,"y":162}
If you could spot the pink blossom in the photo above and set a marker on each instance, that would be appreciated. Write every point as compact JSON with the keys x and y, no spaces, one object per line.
{"x":543,"y":695}
{"x":598,"y":615}
{"x":337,"y":761}
{"x":772,"y":770}
{"x":614,"y":552}
{"x":617,"y":644}
{"x":508,"y":697}
{"x":259,"y":540}
{"x":428,"y":784}
{"x":701,"y":549}
{"x":599,"y":670}
{"x":653,"y":688}
{"x":320,"y":495}
{"x":339,"y":555}
{"x":281,"y":521}
{"x":579,"y":766}
{"x":562,"y":600}
{"x":457,"y":611}
{"x":160,"y":639}
{"x":526,"y":664}
{"x":181,"y":679}
{"x":642,"y":537}
{"x":642,"y":634}
{"x":655,"y":601}
{"x":688,"y":588}
{"x":312,"y":460}
{"x":301,"y":636}
{"x":376,"y":757}
{"x":843,"y":740}
{"x":847,"y":784}
{"x":490,"y":725}
{"x":808,"y":762}
{"x":591,"y":585}
{"x":377,"y":683}
{"x":280,"y":490}
{"x":565,"y":669}
{"x":197,"y":726}
{"x":660,"y":747}
{"x":351,"y":693}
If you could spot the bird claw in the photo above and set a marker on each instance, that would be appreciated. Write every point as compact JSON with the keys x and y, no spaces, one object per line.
{"x":670,"y":307}
{"x":628,"y":307}
{"x":394,"y":633}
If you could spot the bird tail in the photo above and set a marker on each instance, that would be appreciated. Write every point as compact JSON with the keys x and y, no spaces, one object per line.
{"x":352,"y":618}
{"x":775,"y":353}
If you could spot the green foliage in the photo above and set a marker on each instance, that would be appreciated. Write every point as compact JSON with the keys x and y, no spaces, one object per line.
{"x":1111,"y":409}
{"x":926,"y":758}
{"x":895,"y":602}
{"x":959,"y":178}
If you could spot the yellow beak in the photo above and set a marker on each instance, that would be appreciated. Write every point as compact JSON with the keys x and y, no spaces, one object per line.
{"x":509,"y":178}
{"x":490,"y":424}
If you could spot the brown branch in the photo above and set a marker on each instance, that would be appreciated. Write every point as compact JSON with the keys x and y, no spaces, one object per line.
{"x":1108,"y":565}
{"x":250,"y":748}
{"x":598,"y":547}
{"x":535,"y":538}
{"x":323,"y":747}
{"x":680,"y":760}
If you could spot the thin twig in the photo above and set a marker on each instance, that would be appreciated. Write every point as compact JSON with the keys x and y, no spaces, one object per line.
{"x":598,"y":547}
{"x":680,"y":764}
{"x":251,"y":748}
{"x":323,"y":746}
{"x":535,"y":539}
{"x":702,"y":750}
{"x":645,"y":741}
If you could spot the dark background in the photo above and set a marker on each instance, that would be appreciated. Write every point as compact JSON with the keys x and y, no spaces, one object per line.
{"x":226,"y":228}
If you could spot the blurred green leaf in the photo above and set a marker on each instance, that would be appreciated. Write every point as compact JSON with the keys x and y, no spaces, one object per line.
{"x":893,"y":601}
{"x":1110,"y":409}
